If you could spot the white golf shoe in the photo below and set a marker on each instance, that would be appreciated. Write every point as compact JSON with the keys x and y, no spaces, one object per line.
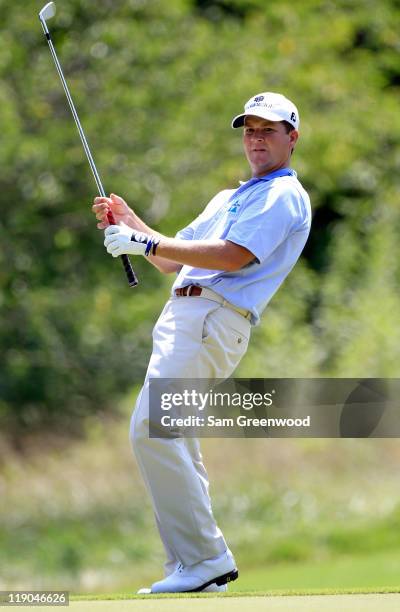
{"x":200,"y":576}
{"x":212,"y":588}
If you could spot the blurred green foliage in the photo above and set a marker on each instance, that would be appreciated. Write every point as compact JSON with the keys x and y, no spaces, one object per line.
{"x":156,"y":84}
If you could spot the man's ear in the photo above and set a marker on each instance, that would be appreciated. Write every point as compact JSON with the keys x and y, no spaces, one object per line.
{"x":293,"y":135}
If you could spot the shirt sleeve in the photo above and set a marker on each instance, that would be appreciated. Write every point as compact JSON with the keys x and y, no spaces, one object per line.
{"x":186,"y":233}
{"x":267,"y":221}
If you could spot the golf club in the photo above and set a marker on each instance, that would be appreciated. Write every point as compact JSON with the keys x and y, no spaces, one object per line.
{"x":47,"y":12}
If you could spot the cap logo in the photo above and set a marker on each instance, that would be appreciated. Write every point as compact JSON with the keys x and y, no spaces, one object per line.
{"x":254,"y":103}
{"x":293,"y":117}
{"x":258,"y":98}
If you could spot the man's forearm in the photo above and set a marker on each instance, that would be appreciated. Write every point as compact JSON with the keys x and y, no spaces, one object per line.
{"x":209,"y":254}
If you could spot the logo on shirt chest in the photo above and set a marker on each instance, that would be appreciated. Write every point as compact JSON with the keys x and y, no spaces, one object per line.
{"x":233,"y":207}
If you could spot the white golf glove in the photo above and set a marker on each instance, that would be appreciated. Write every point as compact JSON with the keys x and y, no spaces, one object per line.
{"x":123,"y":240}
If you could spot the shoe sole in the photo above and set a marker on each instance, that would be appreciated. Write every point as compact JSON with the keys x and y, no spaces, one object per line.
{"x":229,"y":577}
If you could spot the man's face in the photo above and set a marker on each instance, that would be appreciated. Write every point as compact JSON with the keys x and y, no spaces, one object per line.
{"x":267,"y":144}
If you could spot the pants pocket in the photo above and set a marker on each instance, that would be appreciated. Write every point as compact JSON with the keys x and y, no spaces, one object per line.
{"x":225,"y":339}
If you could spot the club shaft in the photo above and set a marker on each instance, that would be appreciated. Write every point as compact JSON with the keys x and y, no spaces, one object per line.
{"x":76,"y":118}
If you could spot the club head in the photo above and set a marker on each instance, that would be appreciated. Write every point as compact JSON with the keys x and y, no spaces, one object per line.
{"x":47,"y":11}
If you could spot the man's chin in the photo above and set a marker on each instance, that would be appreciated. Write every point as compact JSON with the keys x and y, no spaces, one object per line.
{"x":261,"y":170}
{"x":261,"y":162}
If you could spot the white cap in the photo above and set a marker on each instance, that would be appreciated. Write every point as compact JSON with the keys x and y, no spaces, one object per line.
{"x":271,"y":106}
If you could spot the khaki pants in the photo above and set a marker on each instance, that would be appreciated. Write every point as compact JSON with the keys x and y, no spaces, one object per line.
{"x":194,"y":337}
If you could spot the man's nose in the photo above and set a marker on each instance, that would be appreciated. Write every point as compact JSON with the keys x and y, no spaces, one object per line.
{"x":259,"y":134}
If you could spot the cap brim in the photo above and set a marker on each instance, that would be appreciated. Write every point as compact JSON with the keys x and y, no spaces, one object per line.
{"x":238,"y":121}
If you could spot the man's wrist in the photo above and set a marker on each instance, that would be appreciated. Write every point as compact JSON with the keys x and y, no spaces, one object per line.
{"x":151,"y":244}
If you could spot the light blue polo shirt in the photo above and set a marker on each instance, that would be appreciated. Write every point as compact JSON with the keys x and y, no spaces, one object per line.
{"x":271,"y":217}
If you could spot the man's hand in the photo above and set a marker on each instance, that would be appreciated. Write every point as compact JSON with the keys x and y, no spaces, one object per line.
{"x":122,"y":240}
{"x":118,"y":207}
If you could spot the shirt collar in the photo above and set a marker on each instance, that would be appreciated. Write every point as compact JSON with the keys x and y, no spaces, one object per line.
{"x":270,"y":176}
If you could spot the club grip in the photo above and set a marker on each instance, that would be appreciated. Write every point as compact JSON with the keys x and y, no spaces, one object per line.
{"x":130,"y":274}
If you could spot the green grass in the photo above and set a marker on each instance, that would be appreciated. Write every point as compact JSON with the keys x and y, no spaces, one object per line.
{"x":354,"y":602}
{"x":268,"y":593}
{"x":373,"y":571}
{"x":383,"y":599}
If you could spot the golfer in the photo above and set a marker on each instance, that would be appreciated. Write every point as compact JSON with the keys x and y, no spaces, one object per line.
{"x":229,"y":263}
